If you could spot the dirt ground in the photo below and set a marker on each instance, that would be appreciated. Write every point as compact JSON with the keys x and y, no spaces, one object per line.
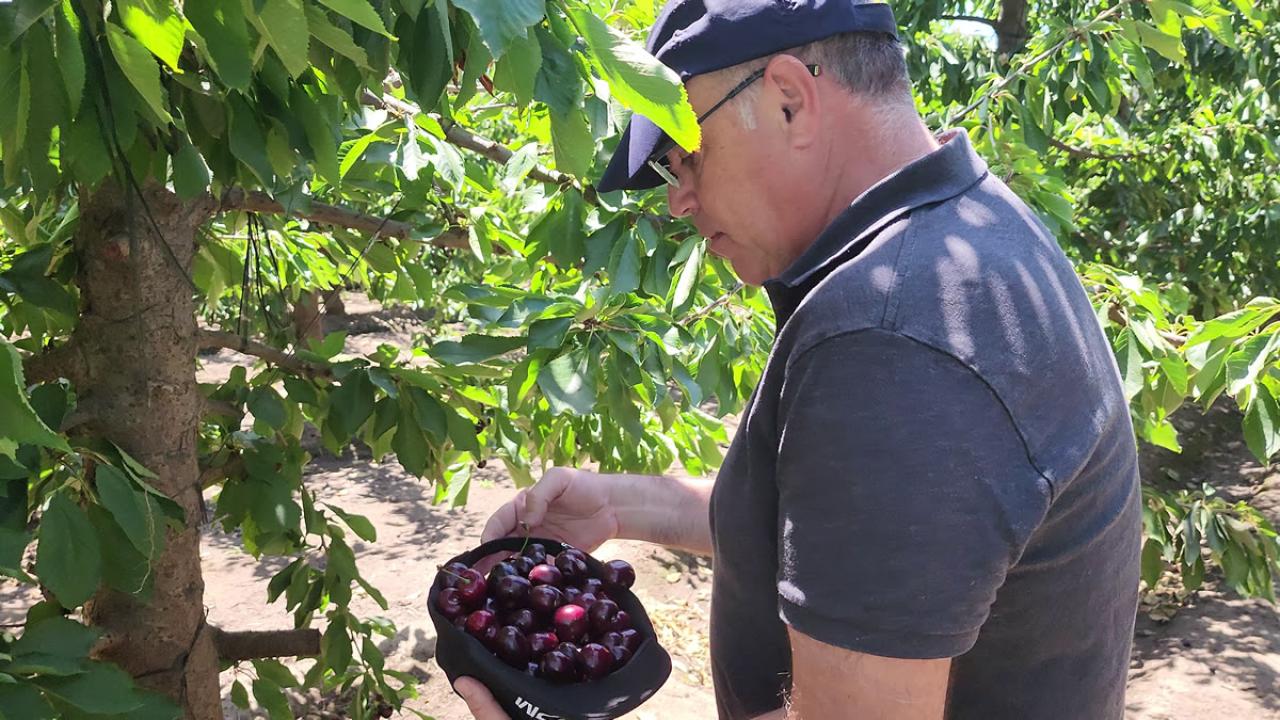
{"x":1218,"y":657}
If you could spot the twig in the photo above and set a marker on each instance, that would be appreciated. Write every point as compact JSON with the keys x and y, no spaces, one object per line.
{"x":216,"y":339}
{"x":708,"y":309}
{"x":1086,"y":153}
{"x":211,"y":476}
{"x":258,"y":644}
{"x":255,"y":201}
{"x":971,"y":18}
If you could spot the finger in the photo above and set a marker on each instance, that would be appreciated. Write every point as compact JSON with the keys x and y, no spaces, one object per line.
{"x":502,"y":523}
{"x":479,"y":700}
{"x":540,"y":497}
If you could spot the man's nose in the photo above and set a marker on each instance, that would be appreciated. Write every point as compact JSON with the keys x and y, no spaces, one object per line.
{"x":682,"y":201}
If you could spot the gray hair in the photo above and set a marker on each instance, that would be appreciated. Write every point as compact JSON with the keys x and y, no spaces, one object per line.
{"x":870,"y":65}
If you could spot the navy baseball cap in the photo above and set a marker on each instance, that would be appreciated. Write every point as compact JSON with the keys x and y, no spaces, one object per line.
{"x":693,"y":37}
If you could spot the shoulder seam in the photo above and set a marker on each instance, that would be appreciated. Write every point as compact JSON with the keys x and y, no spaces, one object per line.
{"x":800,"y":353}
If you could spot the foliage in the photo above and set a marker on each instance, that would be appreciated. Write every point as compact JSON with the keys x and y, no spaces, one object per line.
{"x":561,"y":325}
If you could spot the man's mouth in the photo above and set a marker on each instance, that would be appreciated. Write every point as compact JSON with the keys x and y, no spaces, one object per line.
{"x":716,"y":243}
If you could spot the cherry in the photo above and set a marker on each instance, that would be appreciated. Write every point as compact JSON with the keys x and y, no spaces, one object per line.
{"x":500,"y":571}
{"x":571,"y":595}
{"x":542,"y":643}
{"x":558,"y":668}
{"x":602,"y":615}
{"x":521,"y":619}
{"x":574,"y":552}
{"x":522,"y":565}
{"x":632,"y":639}
{"x":585,"y":600}
{"x":547,"y":575}
{"x":612,"y":640}
{"x":513,"y":647}
{"x":621,"y":621}
{"x":619,"y":573}
{"x":573,"y":567}
{"x":545,"y":599}
{"x":480,"y":621}
{"x":450,"y":603}
{"x":594,"y":586}
{"x":472,"y":587}
{"x":571,"y":623}
{"x":621,"y":655}
{"x":460,"y":622}
{"x":452,"y":573}
{"x":512,"y":592}
{"x":597,"y":661}
{"x":537,"y":552}
{"x":570,"y":651}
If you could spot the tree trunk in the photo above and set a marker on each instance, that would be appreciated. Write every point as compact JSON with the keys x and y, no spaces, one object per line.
{"x":308,"y":325}
{"x":138,"y":335}
{"x":333,"y":303}
{"x":1011,"y":28}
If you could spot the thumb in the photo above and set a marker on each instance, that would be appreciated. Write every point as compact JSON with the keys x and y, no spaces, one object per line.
{"x":479,"y":700}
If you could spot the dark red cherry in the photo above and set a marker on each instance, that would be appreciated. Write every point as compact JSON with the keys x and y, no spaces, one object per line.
{"x":571,"y":651}
{"x":632,"y":639}
{"x":500,"y":571}
{"x":480,"y":621}
{"x":621,"y":655}
{"x":450,"y":604}
{"x":545,"y":599}
{"x":472,"y":587}
{"x":513,"y":647}
{"x":542,"y":643}
{"x":602,"y":616}
{"x":547,"y":575}
{"x":621,"y":621}
{"x":597,"y":661}
{"x":558,"y":668}
{"x":572,"y":567}
{"x":522,"y":565}
{"x":452,"y":573}
{"x":521,"y":619}
{"x":619,"y":573}
{"x":594,"y":586}
{"x":537,"y":552}
{"x":512,"y":592}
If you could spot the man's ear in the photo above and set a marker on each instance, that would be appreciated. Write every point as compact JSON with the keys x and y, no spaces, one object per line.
{"x":792,"y":96}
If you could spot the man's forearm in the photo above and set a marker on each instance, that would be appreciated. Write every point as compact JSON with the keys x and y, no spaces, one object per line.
{"x":664,"y":510}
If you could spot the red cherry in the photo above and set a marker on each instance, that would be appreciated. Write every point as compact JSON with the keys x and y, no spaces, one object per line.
{"x":449,"y":602}
{"x":480,"y":621}
{"x":571,"y":623}
{"x":521,"y":619}
{"x":472,"y":587}
{"x":602,"y":616}
{"x":546,"y":575}
{"x":594,"y":586}
{"x":558,"y":668}
{"x":619,"y":573}
{"x":513,"y":647}
{"x":542,"y":643}
{"x":597,"y":661}
{"x":512,"y":592}
{"x":571,"y":651}
{"x":585,"y":601}
{"x":621,"y":621}
{"x":545,"y":599}
{"x":632,"y":639}
{"x":621,"y":655}
{"x":452,"y":573}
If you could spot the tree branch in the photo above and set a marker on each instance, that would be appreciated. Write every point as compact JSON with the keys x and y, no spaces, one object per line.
{"x":1087,"y":153}
{"x":969,"y":18}
{"x":58,"y":361}
{"x":321,"y":213}
{"x":258,"y":644}
{"x":211,"y":476}
{"x":216,"y":339}
{"x":221,"y":407}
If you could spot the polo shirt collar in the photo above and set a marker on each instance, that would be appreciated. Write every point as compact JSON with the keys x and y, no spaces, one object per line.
{"x":934,"y":178}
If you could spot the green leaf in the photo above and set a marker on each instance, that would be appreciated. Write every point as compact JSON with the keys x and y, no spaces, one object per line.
{"x":267,"y":406}
{"x":134,"y":511}
{"x":549,"y":334}
{"x":19,"y":423}
{"x":1262,"y":425}
{"x":359,"y":524}
{"x":351,"y":405}
{"x":224,"y":38}
{"x":68,"y":561}
{"x":70,"y":54}
{"x":359,"y":12}
{"x":1169,"y":46}
{"x":517,"y":71}
{"x":1246,"y":362}
{"x":410,"y":444}
{"x":248,"y":142}
{"x":474,"y":349}
{"x":689,"y":275}
{"x":123,"y":567}
{"x":429,"y":67}
{"x":190,"y":174}
{"x":639,"y":81}
{"x":239,"y":695}
{"x":271,"y":698}
{"x":102,"y":689}
{"x":624,"y":266}
{"x":1130,"y":360}
{"x":24,"y":702}
{"x":574,"y":145}
{"x":25,"y":14}
{"x":502,"y":21}
{"x":284,"y":24}
{"x":275,"y":672}
{"x":335,"y":646}
{"x":558,"y":83}
{"x":157,"y":25}
{"x":339,"y":40}
{"x":569,"y":383}
{"x":140,"y":67}
{"x":319,"y":132}
{"x":1152,"y":562}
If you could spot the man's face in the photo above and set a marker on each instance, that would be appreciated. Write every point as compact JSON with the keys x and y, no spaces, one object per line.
{"x":743,"y":190}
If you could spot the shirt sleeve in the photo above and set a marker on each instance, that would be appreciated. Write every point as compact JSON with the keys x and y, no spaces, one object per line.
{"x":905,"y":497}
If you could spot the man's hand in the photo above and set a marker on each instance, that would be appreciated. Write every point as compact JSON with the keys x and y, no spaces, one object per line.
{"x":831,"y":683}
{"x":573,"y":506}
{"x":479,"y":700}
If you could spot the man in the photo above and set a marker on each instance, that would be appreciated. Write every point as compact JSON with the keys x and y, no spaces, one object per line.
{"x":931,"y":507}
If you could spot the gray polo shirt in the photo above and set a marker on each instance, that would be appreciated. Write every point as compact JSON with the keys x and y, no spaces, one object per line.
{"x":938,"y":461}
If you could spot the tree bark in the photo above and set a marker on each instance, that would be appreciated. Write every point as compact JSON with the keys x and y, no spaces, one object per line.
{"x":308,"y":323}
{"x":1011,"y":28}
{"x":137,"y":336}
{"x":258,"y":644}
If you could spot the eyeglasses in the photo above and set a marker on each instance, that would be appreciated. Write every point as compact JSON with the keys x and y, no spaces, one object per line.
{"x":658,"y":158}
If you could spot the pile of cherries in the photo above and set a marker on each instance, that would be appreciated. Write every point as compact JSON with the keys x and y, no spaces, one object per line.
{"x":545,"y":615}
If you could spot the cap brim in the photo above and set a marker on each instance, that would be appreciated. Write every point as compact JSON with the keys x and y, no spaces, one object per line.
{"x":629,"y":167}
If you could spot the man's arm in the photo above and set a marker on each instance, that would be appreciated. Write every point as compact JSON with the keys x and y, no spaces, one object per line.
{"x":668,"y":511}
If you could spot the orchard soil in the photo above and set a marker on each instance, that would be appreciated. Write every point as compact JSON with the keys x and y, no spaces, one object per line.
{"x":1215,"y":656}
